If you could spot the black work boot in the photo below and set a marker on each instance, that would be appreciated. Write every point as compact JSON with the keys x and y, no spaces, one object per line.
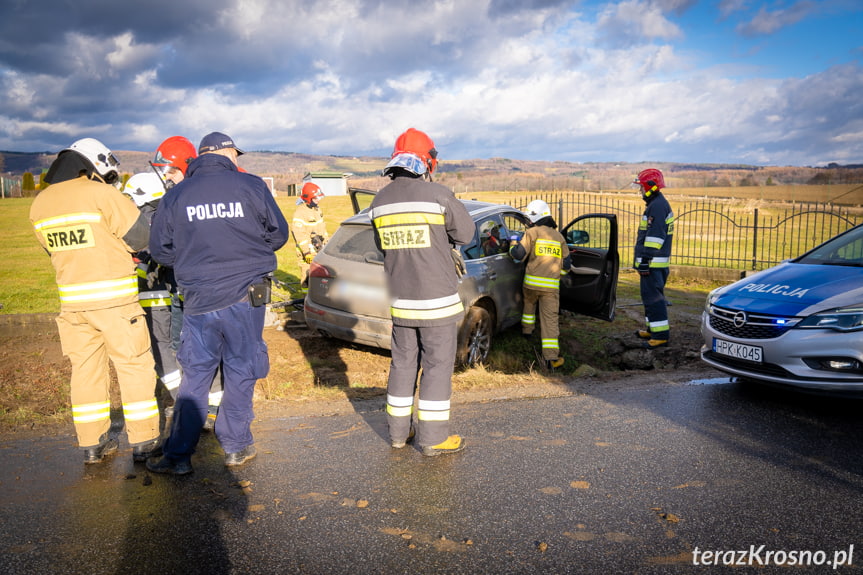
{"x":107,"y":446}
{"x":145,"y":451}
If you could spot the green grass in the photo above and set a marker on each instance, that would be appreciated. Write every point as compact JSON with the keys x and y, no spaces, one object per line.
{"x":26,"y":276}
{"x":27,"y":282}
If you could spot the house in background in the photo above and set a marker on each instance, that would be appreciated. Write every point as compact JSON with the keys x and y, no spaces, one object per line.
{"x":331,"y":183}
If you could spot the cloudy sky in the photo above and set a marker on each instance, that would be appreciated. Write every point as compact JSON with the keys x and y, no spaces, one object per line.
{"x":718,"y":81}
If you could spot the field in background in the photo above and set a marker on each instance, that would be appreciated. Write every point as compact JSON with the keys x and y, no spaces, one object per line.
{"x":27,"y":278}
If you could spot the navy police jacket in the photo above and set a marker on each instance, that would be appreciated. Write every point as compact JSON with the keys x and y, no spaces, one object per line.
{"x":219,"y":229}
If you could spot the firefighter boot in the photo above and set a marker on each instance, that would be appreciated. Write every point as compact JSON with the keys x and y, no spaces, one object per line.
{"x":553,"y":364}
{"x":399,"y":444}
{"x":655,"y":342}
{"x":144,"y":451}
{"x":643,"y":334}
{"x":452,"y":444}
{"x":107,"y":446}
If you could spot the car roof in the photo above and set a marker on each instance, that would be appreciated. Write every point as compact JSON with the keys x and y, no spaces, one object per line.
{"x":475,"y":208}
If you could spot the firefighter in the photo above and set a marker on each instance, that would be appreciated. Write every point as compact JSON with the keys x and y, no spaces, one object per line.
{"x":154,"y":291}
{"x":652,"y":257}
{"x":308,"y":229}
{"x":170,"y":161}
{"x":416,"y":222}
{"x":219,"y":230}
{"x":90,"y":230}
{"x":547,"y":261}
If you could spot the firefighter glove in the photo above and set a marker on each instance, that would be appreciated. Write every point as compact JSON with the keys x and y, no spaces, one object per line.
{"x":644,"y":267}
{"x":309,"y":257}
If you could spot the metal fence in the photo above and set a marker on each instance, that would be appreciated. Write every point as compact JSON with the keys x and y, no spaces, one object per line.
{"x":716,"y":234}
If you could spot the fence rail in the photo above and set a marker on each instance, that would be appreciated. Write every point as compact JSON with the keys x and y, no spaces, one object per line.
{"x":715,"y":234}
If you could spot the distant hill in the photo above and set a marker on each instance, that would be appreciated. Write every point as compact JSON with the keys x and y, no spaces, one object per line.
{"x":288,"y":168}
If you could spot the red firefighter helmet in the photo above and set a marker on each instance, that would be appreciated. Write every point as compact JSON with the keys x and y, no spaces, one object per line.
{"x":650,"y":180}
{"x":420,"y":145}
{"x":311,"y":193}
{"x":175,"y":152}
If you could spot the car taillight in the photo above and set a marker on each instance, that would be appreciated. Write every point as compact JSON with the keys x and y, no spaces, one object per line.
{"x":319,"y":271}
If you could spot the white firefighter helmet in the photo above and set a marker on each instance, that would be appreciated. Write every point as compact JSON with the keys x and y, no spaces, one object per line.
{"x":536,"y":210}
{"x":144,"y":188}
{"x":103,"y":160}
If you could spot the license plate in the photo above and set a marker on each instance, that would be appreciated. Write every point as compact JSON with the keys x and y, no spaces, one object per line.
{"x":737,"y":350}
{"x":355,"y":291}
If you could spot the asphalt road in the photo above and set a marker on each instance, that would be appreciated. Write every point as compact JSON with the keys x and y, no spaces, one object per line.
{"x":638,"y":476}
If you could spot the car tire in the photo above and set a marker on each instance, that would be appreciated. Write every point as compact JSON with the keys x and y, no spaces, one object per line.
{"x":474,"y":342}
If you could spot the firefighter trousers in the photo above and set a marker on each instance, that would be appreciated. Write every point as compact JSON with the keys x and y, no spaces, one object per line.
{"x":549,"y":327}
{"x":234,"y":337}
{"x":159,"y":321}
{"x":424,"y":356}
{"x":93,"y":338}
{"x":655,"y":305}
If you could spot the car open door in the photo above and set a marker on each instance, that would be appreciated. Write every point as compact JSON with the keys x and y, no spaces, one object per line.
{"x":590,"y":288}
{"x":361,"y":199}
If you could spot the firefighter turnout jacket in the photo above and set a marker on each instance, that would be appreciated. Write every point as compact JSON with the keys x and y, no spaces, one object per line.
{"x":547,"y":257}
{"x":90,"y":229}
{"x":308,"y":222}
{"x":416,"y":223}
{"x":655,"y":232}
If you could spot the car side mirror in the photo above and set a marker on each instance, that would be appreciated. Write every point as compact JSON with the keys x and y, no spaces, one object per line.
{"x":577,"y":237}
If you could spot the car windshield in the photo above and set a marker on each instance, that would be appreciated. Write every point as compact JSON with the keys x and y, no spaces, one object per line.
{"x":355,"y":243}
{"x":845,"y":250}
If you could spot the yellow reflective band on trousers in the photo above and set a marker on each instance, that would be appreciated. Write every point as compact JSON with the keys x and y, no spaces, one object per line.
{"x":91,"y":412}
{"x":99,"y":291}
{"x":427,"y":314}
{"x":172,"y":380}
{"x":528,"y":319}
{"x":433,"y":410}
{"x":427,"y":309}
{"x":141,"y":410}
{"x":550,"y":343}
{"x":398,"y":406}
{"x":541,"y":282}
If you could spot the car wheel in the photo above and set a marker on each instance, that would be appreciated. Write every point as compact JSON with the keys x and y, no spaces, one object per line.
{"x":475,"y":340}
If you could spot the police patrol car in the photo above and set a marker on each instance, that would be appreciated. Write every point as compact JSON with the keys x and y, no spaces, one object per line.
{"x":799,"y":323}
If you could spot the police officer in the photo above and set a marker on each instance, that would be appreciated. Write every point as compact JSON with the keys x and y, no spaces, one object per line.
{"x":219,"y":229}
{"x":547,"y":258}
{"x":90,"y":230}
{"x":416,"y":222}
{"x":652,"y":256}
{"x":170,"y":162}
{"x":308,"y":229}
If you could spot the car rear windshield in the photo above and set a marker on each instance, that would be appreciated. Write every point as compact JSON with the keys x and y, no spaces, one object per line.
{"x":355,"y":243}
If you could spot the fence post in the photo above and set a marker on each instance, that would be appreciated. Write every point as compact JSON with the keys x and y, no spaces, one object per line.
{"x":755,"y":240}
{"x":560,"y":221}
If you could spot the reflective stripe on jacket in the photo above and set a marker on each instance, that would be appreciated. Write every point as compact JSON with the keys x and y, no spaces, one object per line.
{"x":655,"y":233}
{"x":416,"y":223}
{"x":82,"y":223}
